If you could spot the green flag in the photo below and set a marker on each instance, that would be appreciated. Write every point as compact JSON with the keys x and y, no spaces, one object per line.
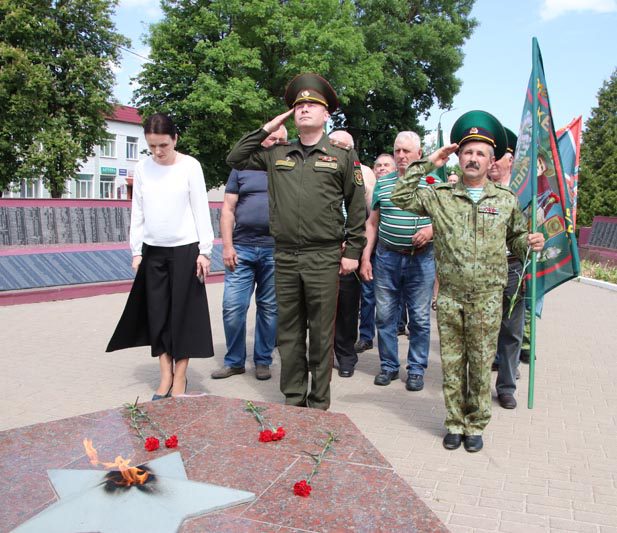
{"x":439,"y":173}
{"x":538,"y":180}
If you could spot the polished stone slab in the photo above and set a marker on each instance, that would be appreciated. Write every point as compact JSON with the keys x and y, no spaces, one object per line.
{"x":158,"y":506}
{"x":355,"y":488}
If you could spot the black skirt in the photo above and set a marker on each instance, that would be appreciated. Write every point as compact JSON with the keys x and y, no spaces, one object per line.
{"x":167,"y":307}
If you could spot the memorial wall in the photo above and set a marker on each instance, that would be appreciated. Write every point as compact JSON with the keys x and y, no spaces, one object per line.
{"x":58,"y":222}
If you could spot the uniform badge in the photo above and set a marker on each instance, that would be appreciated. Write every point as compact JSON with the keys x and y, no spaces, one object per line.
{"x":473,"y":131}
{"x":284,"y":163}
{"x":488,"y":210}
{"x":327,"y":158}
{"x":357,"y":174}
{"x":326,"y":164}
{"x":305,"y":94}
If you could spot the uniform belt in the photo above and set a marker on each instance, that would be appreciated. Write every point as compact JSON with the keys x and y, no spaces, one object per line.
{"x":307,"y":248}
{"x":406,"y":251}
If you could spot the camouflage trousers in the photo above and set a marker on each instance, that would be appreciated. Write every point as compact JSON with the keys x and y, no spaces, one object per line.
{"x":468,"y":329}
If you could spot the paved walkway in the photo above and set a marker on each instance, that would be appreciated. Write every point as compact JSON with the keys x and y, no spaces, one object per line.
{"x":552,"y":468}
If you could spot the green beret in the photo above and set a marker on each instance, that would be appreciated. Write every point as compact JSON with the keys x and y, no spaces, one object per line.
{"x":311,"y":87}
{"x":512,"y":138}
{"x":480,"y":126}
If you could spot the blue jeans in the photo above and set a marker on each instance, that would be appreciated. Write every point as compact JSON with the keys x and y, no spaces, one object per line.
{"x":413,"y":275}
{"x":255,"y":267}
{"x":367,"y":309}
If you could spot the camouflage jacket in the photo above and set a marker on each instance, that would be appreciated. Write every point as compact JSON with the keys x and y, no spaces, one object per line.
{"x":306,"y":192}
{"x":470,"y":238}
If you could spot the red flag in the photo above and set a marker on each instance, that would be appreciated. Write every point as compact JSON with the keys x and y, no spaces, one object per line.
{"x":569,"y":142}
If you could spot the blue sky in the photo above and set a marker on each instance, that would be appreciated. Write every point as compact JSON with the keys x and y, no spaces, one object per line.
{"x":578,"y":40}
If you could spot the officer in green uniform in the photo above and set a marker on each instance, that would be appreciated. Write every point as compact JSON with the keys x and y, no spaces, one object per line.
{"x":309,"y":180}
{"x":473,"y":222}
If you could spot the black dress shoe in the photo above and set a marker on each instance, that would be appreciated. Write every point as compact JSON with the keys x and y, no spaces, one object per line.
{"x":362,"y":346}
{"x":345,"y":373}
{"x":473,"y":443}
{"x":524,"y":357}
{"x":385,"y":377}
{"x":507,"y":401}
{"x":494,"y":367}
{"x":415,"y":382}
{"x":452,"y":441}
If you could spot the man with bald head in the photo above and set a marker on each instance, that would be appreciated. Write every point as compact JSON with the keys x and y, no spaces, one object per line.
{"x":346,"y":328}
{"x":404,"y":266}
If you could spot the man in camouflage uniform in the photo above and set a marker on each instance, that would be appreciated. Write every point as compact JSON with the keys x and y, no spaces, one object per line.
{"x":308,"y":181}
{"x":473,"y":222}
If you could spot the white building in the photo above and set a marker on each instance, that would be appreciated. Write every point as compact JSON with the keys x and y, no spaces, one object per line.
{"x":109,"y":172}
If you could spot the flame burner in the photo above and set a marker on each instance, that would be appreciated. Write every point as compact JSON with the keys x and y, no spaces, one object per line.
{"x":129,"y":498}
{"x":140,"y":477}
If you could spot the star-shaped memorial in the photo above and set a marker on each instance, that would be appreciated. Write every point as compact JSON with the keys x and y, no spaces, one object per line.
{"x":87,"y":504}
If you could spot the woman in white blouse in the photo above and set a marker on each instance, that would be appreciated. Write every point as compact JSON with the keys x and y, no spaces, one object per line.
{"x":171,"y":242}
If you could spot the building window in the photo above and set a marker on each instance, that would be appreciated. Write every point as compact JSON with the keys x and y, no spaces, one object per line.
{"x":28,"y":188}
{"x":83,"y":186}
{"x":132,"y":145}
{"x":108,"y":149}
{"x":106,"y":186}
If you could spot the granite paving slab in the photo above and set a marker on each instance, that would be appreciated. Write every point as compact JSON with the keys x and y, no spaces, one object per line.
{"x":355,"y":489}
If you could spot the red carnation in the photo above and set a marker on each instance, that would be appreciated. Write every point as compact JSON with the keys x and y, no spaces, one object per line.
{"x":278,"y":434}
{"x":171,"y":442}
{"x":302,"y":488}
{"x":151,"y":444}
{"x":266,"y":435}
{"x":430,"y":180}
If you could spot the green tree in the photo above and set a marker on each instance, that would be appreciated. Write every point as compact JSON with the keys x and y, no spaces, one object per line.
{"x":597,"y":194}
{"x":220,"y":67}
{"x":421,"y":41}
{"x":56,"y":83}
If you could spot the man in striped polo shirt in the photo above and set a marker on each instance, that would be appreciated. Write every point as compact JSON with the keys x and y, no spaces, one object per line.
{"x":404,"y":265}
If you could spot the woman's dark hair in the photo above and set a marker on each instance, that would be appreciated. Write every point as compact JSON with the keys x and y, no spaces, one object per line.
{"x":161,"y":124}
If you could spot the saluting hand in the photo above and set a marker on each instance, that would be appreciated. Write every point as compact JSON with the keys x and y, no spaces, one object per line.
{"x":278,"y":121}
{"x":440,"y":157}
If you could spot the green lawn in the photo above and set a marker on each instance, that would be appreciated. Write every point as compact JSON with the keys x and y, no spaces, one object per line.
{"x":589,"y":269}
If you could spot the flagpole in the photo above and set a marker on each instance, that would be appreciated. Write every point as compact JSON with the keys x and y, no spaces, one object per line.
{"x":535,"y":136}
{"x":441,"y":172}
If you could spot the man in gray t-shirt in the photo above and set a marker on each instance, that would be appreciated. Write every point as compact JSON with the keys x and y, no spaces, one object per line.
{"x":248,"y":256}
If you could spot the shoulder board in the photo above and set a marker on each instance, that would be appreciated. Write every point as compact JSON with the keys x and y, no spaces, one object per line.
{"x":504,"y":188}
{"x":339,"y":144}
{"x":443,"y":186}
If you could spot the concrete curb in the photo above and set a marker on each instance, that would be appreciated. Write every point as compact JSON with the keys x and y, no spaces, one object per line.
{"x":597,"y":283}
